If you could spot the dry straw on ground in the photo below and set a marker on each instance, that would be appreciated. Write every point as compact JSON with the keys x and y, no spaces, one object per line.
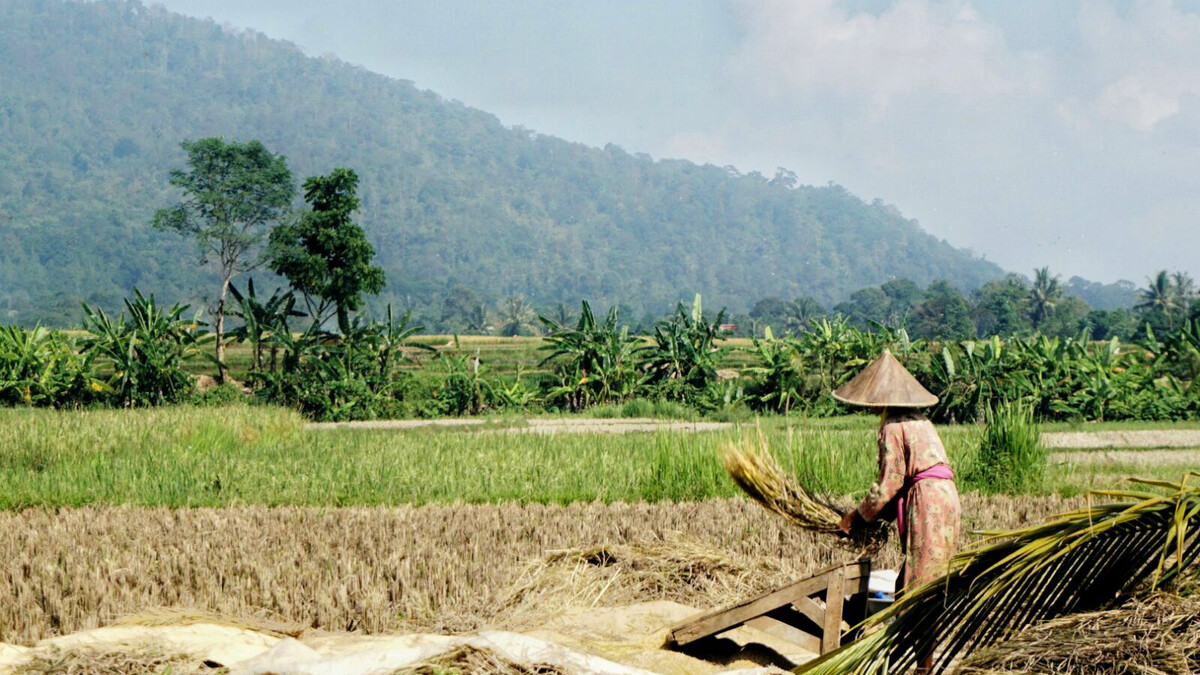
{"x":429,"y":568}
{"x":110,"y":662}
{"x":1156,"y":636}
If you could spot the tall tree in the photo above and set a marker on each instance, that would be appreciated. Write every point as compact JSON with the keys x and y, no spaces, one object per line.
{"x":1001,"y":307}
{"x":232,"y":193}
{"x":457,"y":307}
{"x":1185,"y":288}
{"x":1044,"y":296}
{"x":517,"y":317}
{"x":1159,"y":295}
{"x":903,"y":297}
{"x":801,"y":312}
{"x":944,"y":314}
{"x":325,"y":255}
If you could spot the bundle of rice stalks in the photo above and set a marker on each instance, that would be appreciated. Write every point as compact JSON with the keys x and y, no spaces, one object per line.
{"x":1081,"y":561}
{"x":750,"y":464}
{"x":1159,"y":634}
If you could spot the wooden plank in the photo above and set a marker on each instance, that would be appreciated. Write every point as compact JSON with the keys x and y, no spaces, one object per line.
{"x":724,"y":619}
{"x":809,"y":608}
{"x":831,"y":630}
{"x":795,"y":594}
{"x":859,"y":569}
{"x":783,"y":631}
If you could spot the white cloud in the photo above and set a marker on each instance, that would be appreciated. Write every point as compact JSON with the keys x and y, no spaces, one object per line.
{"x":1145,"y":64}
{"x":914,"y":47}
{"x":1139,"y":104}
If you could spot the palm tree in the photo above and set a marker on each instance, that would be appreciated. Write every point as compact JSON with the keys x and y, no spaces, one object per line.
{"x":517,"y":317}
{"x":1076,"y":562}
{"x":1043,"y":296}
{"x":1159,"y":295}
{"x":800,"y":314}
{"x":477,"y":320}
{"x":1185,"y":288}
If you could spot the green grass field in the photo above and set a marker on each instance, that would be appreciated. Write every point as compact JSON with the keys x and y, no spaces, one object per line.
{"x":187,"y":456}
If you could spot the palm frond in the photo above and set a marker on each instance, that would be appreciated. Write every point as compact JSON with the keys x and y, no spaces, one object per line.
{"x":1079,"y":561}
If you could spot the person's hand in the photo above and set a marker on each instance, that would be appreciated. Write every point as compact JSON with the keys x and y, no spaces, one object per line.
{"x":847,"y":523}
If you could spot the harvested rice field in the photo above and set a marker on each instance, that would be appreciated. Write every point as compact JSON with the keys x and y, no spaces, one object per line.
{"x":434,"y":568}
{"x":520,"y":537}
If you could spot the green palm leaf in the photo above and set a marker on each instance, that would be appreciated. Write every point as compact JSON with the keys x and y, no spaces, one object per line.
{"x":1078,"y":561}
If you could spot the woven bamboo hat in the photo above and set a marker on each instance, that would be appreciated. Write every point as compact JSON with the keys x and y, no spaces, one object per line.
{"x":885,"y":384}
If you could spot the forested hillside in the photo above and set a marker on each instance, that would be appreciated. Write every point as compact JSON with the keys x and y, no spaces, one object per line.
{"x":96,"y":97}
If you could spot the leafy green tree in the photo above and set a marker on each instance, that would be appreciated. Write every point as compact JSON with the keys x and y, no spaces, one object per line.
{"x":325,"y":255}
{"x":595,"y":361}
{"x":1105,"y":324}
{"x":769,"y":312}
{"x":944,"y":315}
{"x":865,"y":306}
{"x":1044,"y":296}
{"x":479,"y":320}
{"x":1001,"y":307}
{"x":457,"y":307}
{"x":1068,"y":318}
{"x":232,"y":193}
{"x":903,"y":297}
{"x":261,"y":319}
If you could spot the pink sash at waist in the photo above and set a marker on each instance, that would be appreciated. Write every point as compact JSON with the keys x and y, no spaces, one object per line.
{"x":938,"y":471}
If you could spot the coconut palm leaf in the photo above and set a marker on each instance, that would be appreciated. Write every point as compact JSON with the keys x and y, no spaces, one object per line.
{"x":1076,"y":562}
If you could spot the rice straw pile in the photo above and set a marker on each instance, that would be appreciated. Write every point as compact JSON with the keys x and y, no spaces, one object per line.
{"x":750,"y":464}
{"x":1146,"y":636}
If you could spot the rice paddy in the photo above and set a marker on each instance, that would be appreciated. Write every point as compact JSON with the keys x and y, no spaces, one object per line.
{"x":238,"y":455}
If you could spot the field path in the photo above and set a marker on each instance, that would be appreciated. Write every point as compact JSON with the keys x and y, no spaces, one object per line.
{"x":1142,"y":458}
{"x":1151,"y":438}
{"x":397,"y":424}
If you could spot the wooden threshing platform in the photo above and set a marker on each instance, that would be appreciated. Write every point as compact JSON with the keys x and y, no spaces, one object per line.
{"x":815,"y":613}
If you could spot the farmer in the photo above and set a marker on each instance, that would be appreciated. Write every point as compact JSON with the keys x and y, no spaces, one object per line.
{"x":915,"y":484}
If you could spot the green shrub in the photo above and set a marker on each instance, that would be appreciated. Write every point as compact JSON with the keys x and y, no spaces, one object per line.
{"x":221,"y":395}
{"x":1011,"y":458}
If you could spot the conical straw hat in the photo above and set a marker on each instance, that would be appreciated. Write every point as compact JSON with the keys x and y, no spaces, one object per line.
{"x":885,"y":384}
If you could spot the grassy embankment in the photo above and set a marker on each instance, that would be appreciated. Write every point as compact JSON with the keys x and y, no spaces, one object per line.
{"x":184,"y":456}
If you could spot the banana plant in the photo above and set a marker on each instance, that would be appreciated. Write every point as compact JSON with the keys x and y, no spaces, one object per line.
{"x":595,"y":361}
{"x":145,"y":350}
{"x":261,"y":318}
{"x":39,"y":367}
{"x":779,"y":382}
{"x":683,"y":352}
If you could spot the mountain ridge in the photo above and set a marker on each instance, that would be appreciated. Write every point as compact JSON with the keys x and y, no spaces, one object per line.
{"x":95,"y":98}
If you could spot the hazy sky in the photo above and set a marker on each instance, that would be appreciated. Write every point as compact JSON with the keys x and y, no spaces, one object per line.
{"x":1062,"y":133}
